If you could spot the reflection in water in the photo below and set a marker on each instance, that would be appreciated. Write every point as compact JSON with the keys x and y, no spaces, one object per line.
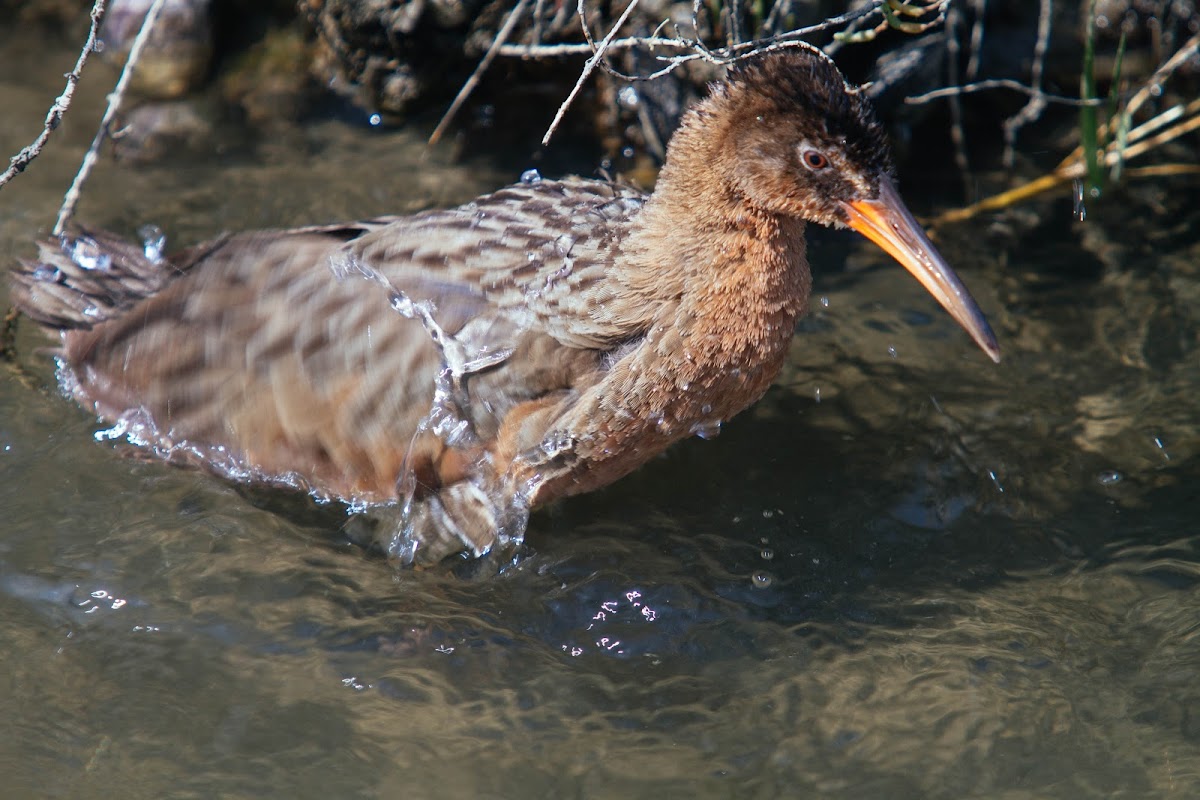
{"x":935,"y":578}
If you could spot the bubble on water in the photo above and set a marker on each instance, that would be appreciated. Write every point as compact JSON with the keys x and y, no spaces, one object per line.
{"x":375,"y":120}
{"x":761,"y":580}
{"x":531,"y":176}
{"x":766,"y":554}
{"x":1109,"y":478}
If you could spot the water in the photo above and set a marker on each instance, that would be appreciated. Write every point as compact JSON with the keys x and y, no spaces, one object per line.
{"x":959,"y":601}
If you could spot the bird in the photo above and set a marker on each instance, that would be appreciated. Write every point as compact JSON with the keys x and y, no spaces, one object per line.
{"x":446,"y":372}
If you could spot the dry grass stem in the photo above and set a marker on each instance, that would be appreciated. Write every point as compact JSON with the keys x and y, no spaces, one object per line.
{"x":1134,"y":142}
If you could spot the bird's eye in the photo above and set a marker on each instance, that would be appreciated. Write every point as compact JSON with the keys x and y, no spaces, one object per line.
{"x":815,"y":159}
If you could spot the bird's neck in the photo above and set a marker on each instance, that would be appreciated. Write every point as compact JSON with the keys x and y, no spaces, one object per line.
{"x":718,"y":285}
{"x":702,"y":244}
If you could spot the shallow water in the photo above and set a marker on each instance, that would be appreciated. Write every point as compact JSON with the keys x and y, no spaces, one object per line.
{"x":907,"y":573}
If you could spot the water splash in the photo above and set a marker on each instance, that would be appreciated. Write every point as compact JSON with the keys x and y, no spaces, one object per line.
{"x":154,"y":243}
{"x":449,"y":420}
{"x":87,"y":254}
{"x":707,"y":429}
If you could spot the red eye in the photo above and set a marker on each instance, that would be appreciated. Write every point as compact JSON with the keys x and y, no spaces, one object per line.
{"x":815,"y":160}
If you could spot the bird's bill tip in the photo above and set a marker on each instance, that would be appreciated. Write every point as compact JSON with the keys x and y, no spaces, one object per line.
{"x":887,"y":222}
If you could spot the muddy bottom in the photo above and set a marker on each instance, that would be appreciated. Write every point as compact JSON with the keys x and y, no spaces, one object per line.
{"x":907,"y":573}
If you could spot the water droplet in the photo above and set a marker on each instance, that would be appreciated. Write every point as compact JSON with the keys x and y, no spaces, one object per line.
{"x":88,"y":255}
{"x":709,"y":429}
{"x":1110,"y":478}
{"x":628,"y":97}
{"x":824,"y":302}
{"x":1080,"y":209}
{"x":154,"y":242}
{"x":627,"y":152}
{"x":761,"y":580}
{"x":892,"y":352}
{"x":817,"y":394}
{"x":555,"y":443}
{"x":531,"y":176}
{"x":1162,"y":448}
{"x":375,"y":120}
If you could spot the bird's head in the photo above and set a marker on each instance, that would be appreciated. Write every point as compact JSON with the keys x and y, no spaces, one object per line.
{"x":796,"y":140}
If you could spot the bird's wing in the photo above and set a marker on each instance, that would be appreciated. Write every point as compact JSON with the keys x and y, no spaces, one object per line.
{"x":542,"y":252}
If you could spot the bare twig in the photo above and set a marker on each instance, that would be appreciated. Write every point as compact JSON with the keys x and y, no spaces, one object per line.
{"x":1037,"y":99}
{"x":999,"y":83}
{"x":599,"y":54}
{"x":473,"y":81}
{"x":954,"y":21}
{"x":114,"y":103}
{"x":690,"y":47}
{"x":21,"y":160}
{"x":980,"y":9}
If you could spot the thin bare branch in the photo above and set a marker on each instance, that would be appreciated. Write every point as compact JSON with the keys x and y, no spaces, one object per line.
{"x":473,"y":81}
{"x":999,"y":83}
{"x":954,"y":21}
{"x":114,"y":103}
{"x":1037,"y":98}
{"x":21,"y":160}
{"x":600,"y":53}
{"x":690,"y":46}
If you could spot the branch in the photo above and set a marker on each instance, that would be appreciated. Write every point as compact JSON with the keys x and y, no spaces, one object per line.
{"x":21,"y":160}
{"x":473,"y":81}
{"x":114,"y":102}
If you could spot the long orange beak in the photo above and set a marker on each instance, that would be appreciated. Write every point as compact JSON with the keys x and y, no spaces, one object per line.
{"x":887,"y":222}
